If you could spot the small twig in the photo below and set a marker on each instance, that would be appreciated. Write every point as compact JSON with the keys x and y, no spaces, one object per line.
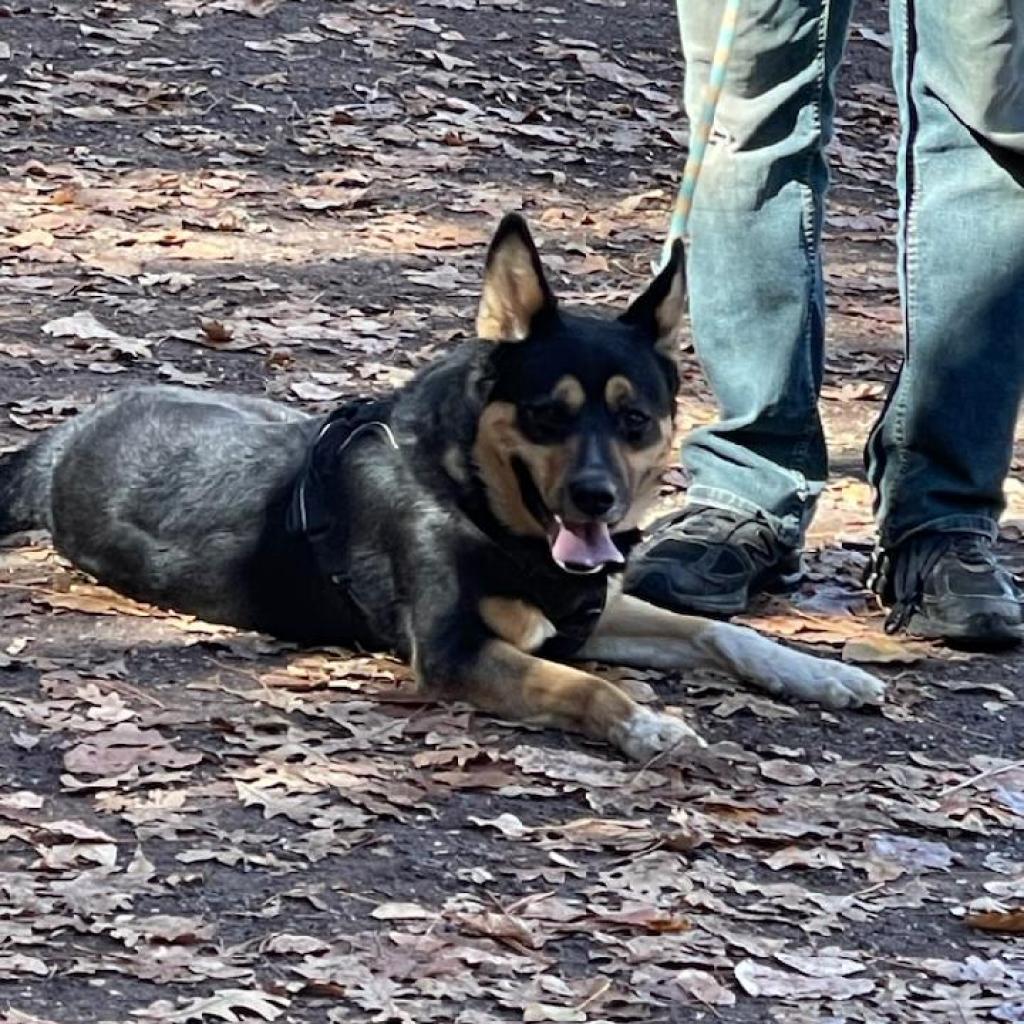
{"x":127,"y":688}
{"x":988,"y":774}
{"x":925,"y":717}
{"x":33,"y":588}
{"x":525,"y":901}
{"x":358,"y":897}
{"x":661,"y":759}
{"x":864,"y":892}
{"x":594,"y":996}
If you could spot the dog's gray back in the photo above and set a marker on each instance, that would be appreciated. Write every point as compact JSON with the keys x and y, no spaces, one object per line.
{"x":162,"y":492}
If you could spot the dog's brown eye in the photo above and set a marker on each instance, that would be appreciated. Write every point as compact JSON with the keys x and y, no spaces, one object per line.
{"x":545,"y":417}
{"x":634,"y":421}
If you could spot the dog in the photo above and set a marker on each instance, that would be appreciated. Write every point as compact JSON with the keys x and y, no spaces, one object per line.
{"x":475,"y":522}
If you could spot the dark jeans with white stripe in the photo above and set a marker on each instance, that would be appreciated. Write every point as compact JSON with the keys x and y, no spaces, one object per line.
{"x":940,"y":451}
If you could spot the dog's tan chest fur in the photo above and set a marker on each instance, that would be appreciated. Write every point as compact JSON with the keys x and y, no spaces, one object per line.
{"x":516,"y":622}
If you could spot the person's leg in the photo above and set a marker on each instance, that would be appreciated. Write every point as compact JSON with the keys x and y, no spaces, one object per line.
{"x":942,"y":448}
{"x":756,"y":299}
{"x":757,"y":303}
{"x":941,"y":451}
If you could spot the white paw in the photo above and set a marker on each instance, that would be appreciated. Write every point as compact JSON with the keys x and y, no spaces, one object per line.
{"x":821,"y":681}
{"x":787,"y":673}
{"x":646,"y":735}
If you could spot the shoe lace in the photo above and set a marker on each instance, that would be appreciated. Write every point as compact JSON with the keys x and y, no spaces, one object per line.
{"x":898,"y":576}
{"x":752,"y":530}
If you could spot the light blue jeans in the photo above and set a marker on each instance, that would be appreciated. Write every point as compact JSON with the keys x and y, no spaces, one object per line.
{"x":939,"y":454}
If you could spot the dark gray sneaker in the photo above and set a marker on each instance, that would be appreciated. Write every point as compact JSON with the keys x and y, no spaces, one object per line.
{"x":710,"y":560}
{"x":949,"y":586}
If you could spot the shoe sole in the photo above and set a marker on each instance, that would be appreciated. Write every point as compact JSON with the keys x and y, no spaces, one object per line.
{"x":986,"y":630}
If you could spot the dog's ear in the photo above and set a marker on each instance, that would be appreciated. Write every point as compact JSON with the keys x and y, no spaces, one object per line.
{"x":659,"y":311}
{"x":515,"y":290}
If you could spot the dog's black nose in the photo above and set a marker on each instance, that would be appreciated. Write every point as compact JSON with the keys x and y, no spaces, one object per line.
{"x":592,"y":495}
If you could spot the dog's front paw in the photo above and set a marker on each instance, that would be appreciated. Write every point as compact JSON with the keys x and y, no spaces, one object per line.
{"x":647,"y":735}
{"x":787,"y":673}
{"x":821,"y":681}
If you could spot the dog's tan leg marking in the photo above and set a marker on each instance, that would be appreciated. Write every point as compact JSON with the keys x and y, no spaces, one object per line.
{"x":632,"y":632}
{"x":520,"y":624}
{"x":510,"y":684}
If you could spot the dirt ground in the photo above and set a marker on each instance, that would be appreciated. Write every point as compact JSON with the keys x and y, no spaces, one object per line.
{"x":291,"y":197}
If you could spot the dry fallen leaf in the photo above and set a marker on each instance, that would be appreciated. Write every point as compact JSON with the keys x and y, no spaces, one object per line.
{"x":503,"y":927}
{"x":30,"y":238}
{"x":816,"y":966}
{"x":402,"y":912}
{"x":879,"y":650}
{"x":759,"y":980}
{"x":537,"y":1012}
{"x":910,"y":853}
{"x":95,"y":600}
{"x":789,"y":773}
{"x":233,"y":1005}
{"x":818,"y":858}
{"x":18,"y":963}
{"x":705,"y":988}
{"x":1008,"y":921}
{"x":216,"y":331}
{"x":114,"y":751}
{"x":82,"y":324}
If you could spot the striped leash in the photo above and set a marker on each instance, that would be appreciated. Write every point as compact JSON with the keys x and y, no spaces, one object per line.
{"x":701,"y":132}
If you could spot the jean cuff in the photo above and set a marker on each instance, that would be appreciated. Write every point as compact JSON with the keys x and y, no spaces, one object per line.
{"x":789,"y":529}
{"x":984,"y":526}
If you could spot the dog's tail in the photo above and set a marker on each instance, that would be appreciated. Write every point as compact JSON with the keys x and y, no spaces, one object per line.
{"x":24,"y":489}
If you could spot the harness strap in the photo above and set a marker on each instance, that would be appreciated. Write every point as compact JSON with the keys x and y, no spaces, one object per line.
{"x":300,"y":496}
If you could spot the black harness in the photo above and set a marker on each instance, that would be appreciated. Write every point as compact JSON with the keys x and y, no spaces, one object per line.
{"x":312,"y":512}
{"x":573,"y":602}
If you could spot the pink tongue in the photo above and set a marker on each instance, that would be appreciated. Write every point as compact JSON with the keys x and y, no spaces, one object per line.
{"x":586,"y":544}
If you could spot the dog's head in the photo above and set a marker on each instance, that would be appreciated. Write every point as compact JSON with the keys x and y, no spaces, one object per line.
{"x":577,"y":425}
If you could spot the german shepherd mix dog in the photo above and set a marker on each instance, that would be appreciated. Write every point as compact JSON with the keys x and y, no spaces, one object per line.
{"x":474,"y":522}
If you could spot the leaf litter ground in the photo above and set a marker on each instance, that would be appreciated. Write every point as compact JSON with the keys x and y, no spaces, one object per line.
{"x":291,"y":198}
